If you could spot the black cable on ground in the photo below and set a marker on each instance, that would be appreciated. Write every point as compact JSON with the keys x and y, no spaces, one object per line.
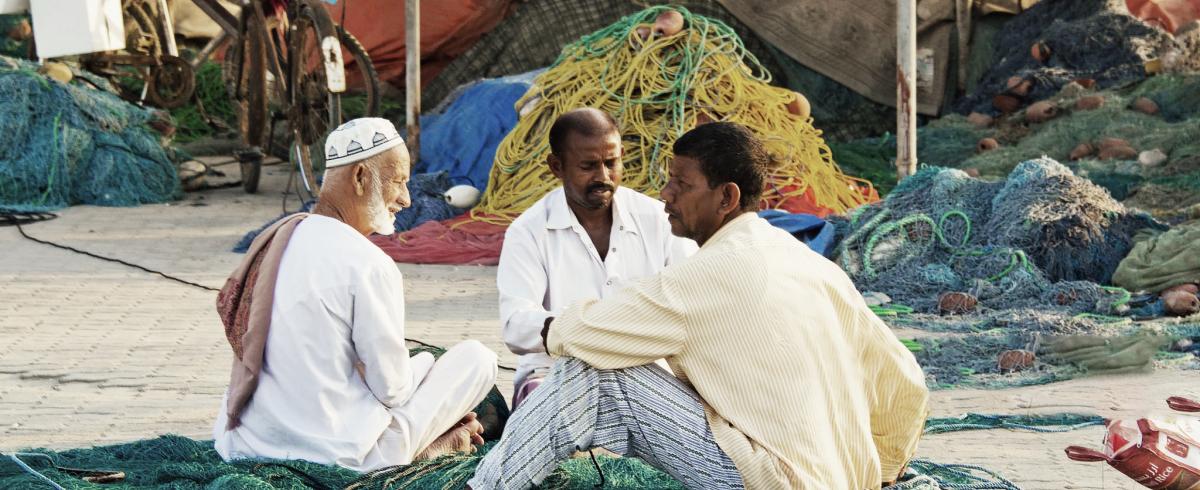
{"x":12,"y":218}
{"x":17,"y":223}
{"x":8,"y":218}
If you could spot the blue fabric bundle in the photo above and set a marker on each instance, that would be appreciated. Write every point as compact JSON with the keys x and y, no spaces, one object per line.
{"x":813,"y":231}
{"x":462,"y":139}
{"x":428,"y":201}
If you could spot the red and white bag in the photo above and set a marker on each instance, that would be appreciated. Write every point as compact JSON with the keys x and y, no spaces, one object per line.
{"x":1157,"y":452}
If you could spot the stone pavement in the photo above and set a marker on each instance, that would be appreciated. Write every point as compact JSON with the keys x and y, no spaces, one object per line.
{"x":93,"y":352}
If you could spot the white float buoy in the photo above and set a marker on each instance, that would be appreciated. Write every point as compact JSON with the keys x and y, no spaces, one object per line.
{"x":462,"y":196}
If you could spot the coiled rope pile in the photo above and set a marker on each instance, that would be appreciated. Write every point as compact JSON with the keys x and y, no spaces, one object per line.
{"x":657,"y":88}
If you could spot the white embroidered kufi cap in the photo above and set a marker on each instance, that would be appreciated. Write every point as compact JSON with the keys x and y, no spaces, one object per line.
{"x":360,"y":139}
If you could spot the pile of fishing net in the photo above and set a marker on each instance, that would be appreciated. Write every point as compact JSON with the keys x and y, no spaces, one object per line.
{"x":1079,"y":39}
{"x":657,"y":88}
{"x":72,"y":143}
{"x":178,"y":463}
{"x":1019,"y":242}
{"x":522,"y":43}
{"x":995,"y":265}
{"x":1170,"y":181}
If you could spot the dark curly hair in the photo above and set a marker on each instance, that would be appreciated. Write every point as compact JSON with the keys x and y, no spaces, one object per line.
{"x":728,"y":152}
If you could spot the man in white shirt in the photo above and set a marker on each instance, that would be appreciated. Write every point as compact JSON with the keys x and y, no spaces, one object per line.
{"x":783,"y":377}
{"x":315,"y":316}
{"x":581,"y":241}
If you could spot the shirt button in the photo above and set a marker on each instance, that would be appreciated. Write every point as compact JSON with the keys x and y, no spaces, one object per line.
{"x":609,"y":283}
{"x":614,"y":249}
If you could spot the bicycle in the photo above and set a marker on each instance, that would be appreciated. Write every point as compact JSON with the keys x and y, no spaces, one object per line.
{"x":286,"y":64}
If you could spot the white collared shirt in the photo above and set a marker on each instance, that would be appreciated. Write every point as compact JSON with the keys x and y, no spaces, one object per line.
{"x":549,"y":262}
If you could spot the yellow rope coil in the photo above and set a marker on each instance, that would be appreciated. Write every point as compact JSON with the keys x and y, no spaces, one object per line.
{"x":657,"y":89}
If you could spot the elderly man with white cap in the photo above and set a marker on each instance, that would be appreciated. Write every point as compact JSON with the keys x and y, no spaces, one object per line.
{"x":315,"y":316}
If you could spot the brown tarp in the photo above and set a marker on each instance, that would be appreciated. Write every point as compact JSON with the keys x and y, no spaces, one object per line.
{"x":448,"y":29}
{"x":192,"y":23}
{"x":854,"y":41}
{"x":1169,"y":14}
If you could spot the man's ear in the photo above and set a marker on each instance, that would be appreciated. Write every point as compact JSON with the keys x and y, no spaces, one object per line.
{"x":731,"y":196}
{"x":360,"y":179}
{"x":556,"y":165}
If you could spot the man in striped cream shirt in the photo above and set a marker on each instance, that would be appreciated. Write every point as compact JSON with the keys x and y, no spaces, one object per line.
{"x":783,"y":377}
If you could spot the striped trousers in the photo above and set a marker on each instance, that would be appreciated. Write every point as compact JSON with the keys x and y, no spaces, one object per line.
{"x":641,"y":411}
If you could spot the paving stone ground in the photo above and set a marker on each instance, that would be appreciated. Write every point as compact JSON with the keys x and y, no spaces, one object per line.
{"x":93,"y":352}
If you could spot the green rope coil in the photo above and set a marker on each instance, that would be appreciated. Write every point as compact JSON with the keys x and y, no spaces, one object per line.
{"x":1125,"y":295}
{"x":941,"y":227}
{"x":871,"y":223}
{"x":868,"y":265}
{"x":1016,"y":257}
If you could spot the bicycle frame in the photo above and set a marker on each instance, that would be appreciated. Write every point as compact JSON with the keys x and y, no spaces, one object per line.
{"x":231,"y":27}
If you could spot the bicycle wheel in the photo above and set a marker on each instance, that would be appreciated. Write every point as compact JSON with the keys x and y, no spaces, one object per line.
{"x":245,"y":72}
{"x":368,"y":103}
{"x":143,"y":33}
{"x":171,"y":83}
{"x":315,"y":110}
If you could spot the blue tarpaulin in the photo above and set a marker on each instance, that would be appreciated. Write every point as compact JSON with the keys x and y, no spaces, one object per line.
{"x":813,"y":231}
{"x":462,"y":139}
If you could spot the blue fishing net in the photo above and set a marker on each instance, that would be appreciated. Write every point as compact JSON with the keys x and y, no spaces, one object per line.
{"x":74,"y":143}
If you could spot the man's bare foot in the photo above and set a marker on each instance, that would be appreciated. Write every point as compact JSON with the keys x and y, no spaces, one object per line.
{"x":461,"y":438}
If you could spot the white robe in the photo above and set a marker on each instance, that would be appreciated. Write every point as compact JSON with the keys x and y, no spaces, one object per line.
{"x":339,"y":300}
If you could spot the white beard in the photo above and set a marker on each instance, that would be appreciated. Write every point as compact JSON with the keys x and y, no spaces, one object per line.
{"x":382,"y":221}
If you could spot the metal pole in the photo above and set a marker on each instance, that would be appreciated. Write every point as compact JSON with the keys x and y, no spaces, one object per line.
{"x":412,"y":84}
{"x":168,"y":27}
{"x":906,"y":88}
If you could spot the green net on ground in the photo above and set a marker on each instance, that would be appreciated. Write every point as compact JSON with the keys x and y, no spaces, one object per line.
{"x":178,"y":463}
{"x":1036,"y":423}
{"x":67,"y":144}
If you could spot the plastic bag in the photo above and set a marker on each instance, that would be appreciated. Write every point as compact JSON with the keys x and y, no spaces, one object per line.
{"x":1157,"y":452}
